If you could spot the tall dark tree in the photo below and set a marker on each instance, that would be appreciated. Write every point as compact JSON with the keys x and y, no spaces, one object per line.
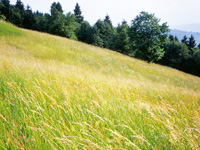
{"x":171,"y":38}
{"x":148,"y":37}
{"x":77,"y":13}
{"x":120,"y":41}
{"x":176,"y":39}
{"x":84,"y":33}
{"x":18,"y":12}
{"x":64,"y":26}
{"x":29,"y":18}
{"x":105,"y":32}
{"x":56,"y":11}
{"x":185,"y":40}
{"x":176,"y":55}
{"x":107,"y":19}
{"x":191,"y":42}
{"x":97,"y":37}
{"x":19,"y":5}
{"x":5,"y":8}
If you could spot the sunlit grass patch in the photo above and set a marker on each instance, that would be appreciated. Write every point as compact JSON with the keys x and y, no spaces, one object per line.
{"x":57,"y":93}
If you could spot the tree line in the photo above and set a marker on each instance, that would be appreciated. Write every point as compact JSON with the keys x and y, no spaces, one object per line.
{"x":145,"y":38}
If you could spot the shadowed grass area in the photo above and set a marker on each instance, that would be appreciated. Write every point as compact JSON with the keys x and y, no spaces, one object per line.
{"x":57,"y":93}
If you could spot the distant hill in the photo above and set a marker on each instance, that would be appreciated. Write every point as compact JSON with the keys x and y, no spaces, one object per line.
{"x":180,"y":34}
{"x":189,"y":27}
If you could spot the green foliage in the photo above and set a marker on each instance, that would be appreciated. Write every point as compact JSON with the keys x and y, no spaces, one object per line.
{"x":120,"y":40}
{"x":29,"y":18}
{"x":5,"y":9}
{"x":84,"y":32}
{"x":64,"y":26}
{"x":2,"y":17}
{"x":41,"y":22}
{"x":96,"y":37}
{"x":77,"y":13}
{"x":176,"y":54}
{"x":147,"y":37}
{"x":191,"y":42}
{"x":185,"y":40}
{"x":103,"y":32}
{"x":107,"y":19}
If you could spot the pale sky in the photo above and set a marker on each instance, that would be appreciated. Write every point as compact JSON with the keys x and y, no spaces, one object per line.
{"x":174,"y":12}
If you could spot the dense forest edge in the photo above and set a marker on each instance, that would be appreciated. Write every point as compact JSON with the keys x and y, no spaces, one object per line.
{"x":145,"y":38}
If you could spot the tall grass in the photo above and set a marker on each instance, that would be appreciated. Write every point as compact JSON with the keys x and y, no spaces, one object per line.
{"x":57,"y":93}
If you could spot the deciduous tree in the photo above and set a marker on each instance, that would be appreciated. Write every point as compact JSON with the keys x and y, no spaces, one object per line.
{"x":148,"y":37}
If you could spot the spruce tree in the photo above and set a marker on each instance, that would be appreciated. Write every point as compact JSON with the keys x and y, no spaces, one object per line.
{"x":77,"y":13}
{"x":19,"y":5}
{"x":29,"y":18}
{"x":185,"y":40}
{"x":120,"y":41}
{"x":176,"y":39}
{"x":171,"y":38}
{"x":5,"y":9}
{"x":107,"y":19}
{"x":56,"y":11}
{"x":192,"y":42}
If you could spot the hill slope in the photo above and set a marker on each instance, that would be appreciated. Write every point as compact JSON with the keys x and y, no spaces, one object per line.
{"x":62,"y":94}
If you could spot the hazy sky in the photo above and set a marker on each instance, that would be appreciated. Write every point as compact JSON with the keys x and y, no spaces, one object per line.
{"x":175,"y":12}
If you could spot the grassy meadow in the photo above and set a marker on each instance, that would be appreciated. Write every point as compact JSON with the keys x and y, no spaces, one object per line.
{"x":57,"y":93}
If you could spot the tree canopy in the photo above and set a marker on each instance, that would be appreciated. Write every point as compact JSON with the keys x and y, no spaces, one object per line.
{"x":148,"y":37}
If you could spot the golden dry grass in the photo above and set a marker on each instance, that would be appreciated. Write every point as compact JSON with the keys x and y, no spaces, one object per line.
{"x":57,"y":93}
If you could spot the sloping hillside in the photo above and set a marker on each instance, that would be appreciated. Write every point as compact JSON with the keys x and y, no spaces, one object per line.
{"x":57,"y":93}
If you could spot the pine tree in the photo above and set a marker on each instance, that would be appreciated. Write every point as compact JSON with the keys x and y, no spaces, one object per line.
{"x":84,"y":32}
{"x":176,"y":39}
{"x":185,"y":40}
{"x":56,"y":11}
{"x":171,"y":38}
{"x":5,"y":8}
{"x":18,"y":12}
{"x":19,"y":5}
{"x":120,"y":41}
{"x":107,"y":19}
{"x":77,"y":13}
{"x":192,"y":42}
{"x":29,"y":18}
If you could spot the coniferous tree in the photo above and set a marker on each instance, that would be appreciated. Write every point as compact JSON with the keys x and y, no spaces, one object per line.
{"x":107,"y":19}
{"x":56,"y":11}
{"x":17,"y":13}
{"x":185,"y":40}
{"x":176,"y":39}
{"x":29,"y":18}
{"x":84,"y":33}
{"x":19,"y":5}
{"x":120,"y":40}
{"x":176,"y":55}
{"x":171,"y":38}
{"x":77,"y":13}
{"x":97,"y":37}
{"x":191,"y":42}
{"x":5,"y":8}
